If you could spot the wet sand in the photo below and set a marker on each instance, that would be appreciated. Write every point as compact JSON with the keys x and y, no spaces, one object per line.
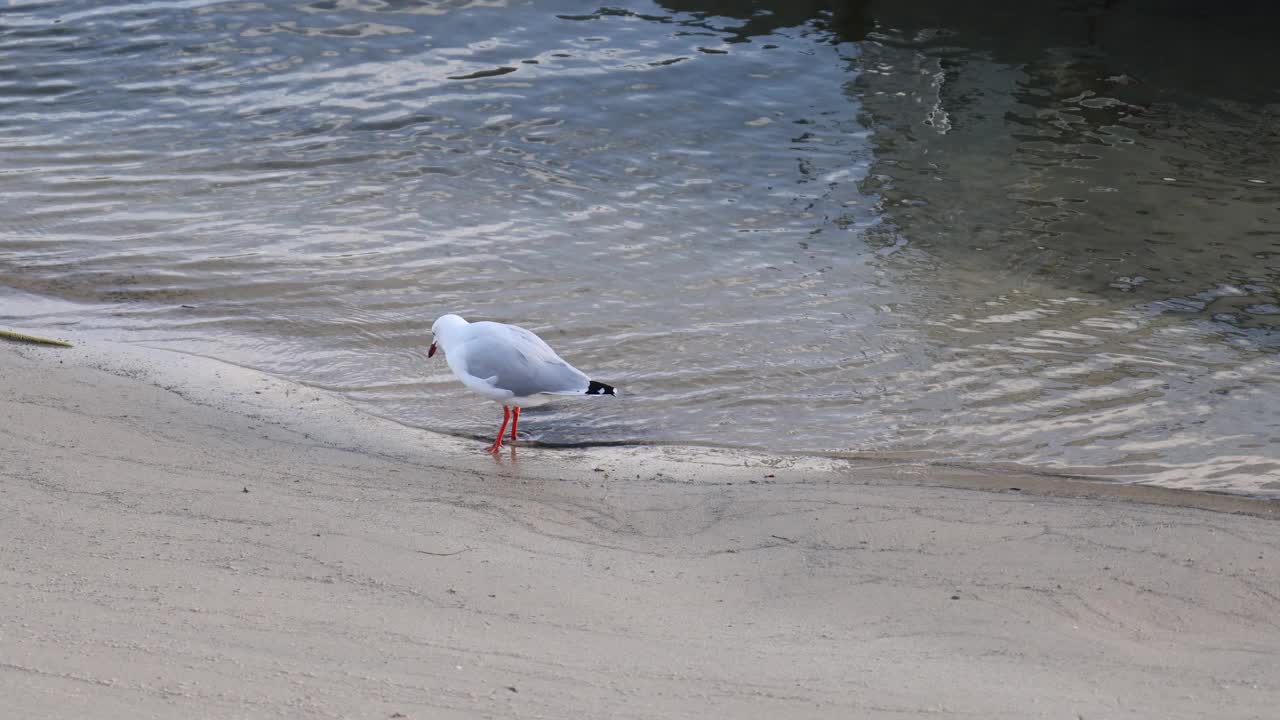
{"x":183,"y":538}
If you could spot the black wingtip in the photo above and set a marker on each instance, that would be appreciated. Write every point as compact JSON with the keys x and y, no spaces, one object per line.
{"x":599,"y":388}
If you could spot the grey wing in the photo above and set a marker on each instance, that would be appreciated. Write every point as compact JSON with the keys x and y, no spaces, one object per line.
{"x":522,"y":364}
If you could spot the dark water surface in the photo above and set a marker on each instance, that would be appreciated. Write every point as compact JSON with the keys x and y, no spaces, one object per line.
{"x":997,"y":238}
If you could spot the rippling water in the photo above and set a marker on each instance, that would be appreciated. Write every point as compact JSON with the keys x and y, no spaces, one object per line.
{"x":885,"y":231}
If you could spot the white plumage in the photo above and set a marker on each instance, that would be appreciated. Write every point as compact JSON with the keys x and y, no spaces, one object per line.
{"x":509,"y":365}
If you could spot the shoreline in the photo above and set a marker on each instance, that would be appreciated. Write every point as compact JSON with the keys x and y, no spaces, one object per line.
{"x":190,"y":537}
{"x":215,"y":382}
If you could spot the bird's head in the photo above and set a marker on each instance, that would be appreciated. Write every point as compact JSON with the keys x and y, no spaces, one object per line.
{"x":442,"y":329}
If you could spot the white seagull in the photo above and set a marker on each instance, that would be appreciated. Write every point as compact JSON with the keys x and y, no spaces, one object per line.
{"x":509,"y":365}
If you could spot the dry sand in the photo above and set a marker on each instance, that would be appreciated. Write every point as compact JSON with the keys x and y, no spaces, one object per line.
{"x":377,"y":571}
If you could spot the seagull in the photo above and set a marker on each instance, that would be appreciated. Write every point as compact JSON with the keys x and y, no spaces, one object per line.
{"x":509,"y":365}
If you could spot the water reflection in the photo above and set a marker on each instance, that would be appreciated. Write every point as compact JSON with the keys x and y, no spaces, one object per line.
{"x":1096,"y":240}
{"x":859,"y":227}
{"x":844,"y":20}
{"x":1073,"y":160}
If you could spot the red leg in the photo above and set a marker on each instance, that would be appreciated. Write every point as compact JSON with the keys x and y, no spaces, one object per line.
{"x":515,"y":419}
{"x":497,"y":444}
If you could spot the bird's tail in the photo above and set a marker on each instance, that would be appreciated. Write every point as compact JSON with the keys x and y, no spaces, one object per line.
{"x":599,"y":388}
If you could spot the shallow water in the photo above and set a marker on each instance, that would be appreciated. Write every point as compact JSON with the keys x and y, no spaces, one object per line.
{"x":891,"y":231}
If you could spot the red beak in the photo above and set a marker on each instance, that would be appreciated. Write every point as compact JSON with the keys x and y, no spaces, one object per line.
{"x":432,"y":351}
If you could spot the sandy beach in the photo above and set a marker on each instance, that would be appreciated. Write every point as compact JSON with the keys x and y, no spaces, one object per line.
{"x":184,"y":538}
